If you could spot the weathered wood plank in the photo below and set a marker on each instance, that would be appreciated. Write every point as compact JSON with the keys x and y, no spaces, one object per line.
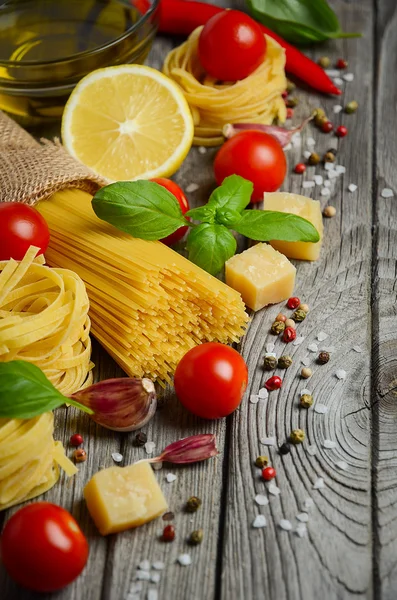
{"x":334,"y":561}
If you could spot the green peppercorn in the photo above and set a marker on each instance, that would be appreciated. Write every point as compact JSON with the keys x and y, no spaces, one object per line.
{"x":290,"y":86}
{"x":269,"y":362}
{"x":319,"y":120}
{"x":323,"y":358}
{"x":261,"y":462}
{"x":306,"y":400}
{"x":297,"y":436}
{"x":193,"y":504}
{"x":196,"y":537}
{"x":292,"y":102}
{"x":351,"y":107}
{"x":284,"y":362}
{"x":329,"y":157}
{"x":314,"y":158}
{"x":324,"y":62}
{"x":299,"y":315}
{"x":277,"y":327}
{"x":318,"y":112}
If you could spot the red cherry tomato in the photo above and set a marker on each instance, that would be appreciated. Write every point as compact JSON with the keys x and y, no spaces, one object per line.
{"x":21,"y":226}
{"x":256,"y":156}
{"x":43,"y":548}
{"x":231,"y":46}
{"x":210,"y":380}
{"x":172,"y":187}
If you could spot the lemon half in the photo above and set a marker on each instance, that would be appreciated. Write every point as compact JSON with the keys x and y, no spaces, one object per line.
{"x":128,"y":122}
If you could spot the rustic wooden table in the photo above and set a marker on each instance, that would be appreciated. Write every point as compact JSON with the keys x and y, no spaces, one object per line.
{"x":349,"y":551}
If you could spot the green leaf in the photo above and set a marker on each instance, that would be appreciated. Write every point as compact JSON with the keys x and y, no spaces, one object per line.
{"x":202,"y":213}
{"x":210,"y":245}
{"x":299,"y":21}
{"x":228,"y":218}
{"x":25,"y":391}
{"x":266,"y":225}
{"x":144,"y":209}
{"x":234,"y":193}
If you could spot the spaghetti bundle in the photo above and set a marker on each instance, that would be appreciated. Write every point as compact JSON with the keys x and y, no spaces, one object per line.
{"x":44,"y":320}
{"x":148,"y":304}
{"x":29,"y":459}
{"x":255,"y":99}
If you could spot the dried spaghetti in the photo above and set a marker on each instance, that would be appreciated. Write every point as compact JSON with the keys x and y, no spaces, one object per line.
{"x":255,"y":99}
{"x":44,"y":320}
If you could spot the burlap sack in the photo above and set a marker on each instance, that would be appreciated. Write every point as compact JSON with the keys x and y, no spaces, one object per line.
{"x":31,"y":171}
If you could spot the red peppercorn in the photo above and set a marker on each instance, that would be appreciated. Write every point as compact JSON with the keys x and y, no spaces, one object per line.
{"x":300,"y":168}
{"x":293,"y":302}
{"x":341,"y":63}
{"x":274,"y":383}
{"x":76,"y":440}
{"x":284,"y":94}
{"x":327,"y":126}
{"x":169,"y":533}
{"x":290,"y":113}
{"x":289,"y":334}
{"x":341,"y":131}
{"x":268,"y":473}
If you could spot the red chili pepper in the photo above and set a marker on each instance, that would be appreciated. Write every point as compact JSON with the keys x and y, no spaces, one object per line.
{"x":181,"y":17}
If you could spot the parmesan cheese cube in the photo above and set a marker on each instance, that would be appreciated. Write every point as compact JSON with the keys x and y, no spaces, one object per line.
{"x":261,"y":275}
{"x":119,"y":498}
{"x":303,"y":207}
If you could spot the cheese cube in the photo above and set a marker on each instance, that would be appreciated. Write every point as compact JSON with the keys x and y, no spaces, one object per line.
{"x":261,"y":275}
{"x":119,"y":498}
{"x":305,"y":208}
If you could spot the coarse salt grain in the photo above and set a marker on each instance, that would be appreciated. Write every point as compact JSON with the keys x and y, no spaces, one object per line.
{"x":319,"y":484}
{"x":202,"y":150}
{"x":338,"y":81}
{"x":348,"y":76}
{"x":352,"y":187}
{"x":312,"y":450}
{"x":329,"y":166}
{"x":144,"y":565}
{"x":136,"y":586}
{"x":332,"y":174}
{"x":312,"y":347}
{"x":271,"y":354}
{"x":337,"y":108}
{"x":269,"y":347}
{"x":321,"y":409}
{"x":297,"y":341}
{"x":157,"y":466}
{"x":308,"y":503}
{"x":155,"y":577}
{"x":357,"y":349}
{"x":341,"y":464}
{"x":318,"y":179}
{"x":117,"y":457}
{"x":288,"y":147}
{"x":311,"y":141}
{"x":341,"y":374}
{"x":332,"y":72}
{"x":340,"y":169}
{"x":325,"y":191}
{"x":261,"y":500}
{"x":327,"y":183}
{"x":149,"y":447}
{"x":308,"y":184}
{"x":285,"y":524}
{"x":306,"y":361}
{"x":263,"y":393}
{"x":185,"y":560}
{"x":142,"y":575}
{"x":321,"y":336}
{"x":296,"y":139}
{"x":387,"y":193}
{"x":259,"y":521}
{"x":152,"y":594}
{"x":329,"y":444}
{"x":133,"y":596}
{"x":158,"y":565}
{"x":254,"y":399}
{"x":307,"y":153}
{"x":192,"y":187}
{"x":303,"y":517}
{"x":274,"y":490}
{"x":170,"y":477}
{"x":301,"y":530}
{"x":305,"y":391}
{"x":268,"y":441}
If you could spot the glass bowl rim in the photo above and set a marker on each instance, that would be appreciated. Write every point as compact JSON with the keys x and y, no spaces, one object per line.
{"x":79,"y":55}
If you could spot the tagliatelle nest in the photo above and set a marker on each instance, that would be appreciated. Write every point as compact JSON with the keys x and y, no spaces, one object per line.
{"x":255,"y":99}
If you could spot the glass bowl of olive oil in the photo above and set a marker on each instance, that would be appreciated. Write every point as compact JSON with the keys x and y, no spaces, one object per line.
{"x":47,"y":46}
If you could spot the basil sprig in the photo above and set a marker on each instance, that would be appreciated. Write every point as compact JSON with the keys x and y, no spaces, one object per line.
{"x":299,"y":21}
{"x":148,"y":211}
{"x":25,"y":392}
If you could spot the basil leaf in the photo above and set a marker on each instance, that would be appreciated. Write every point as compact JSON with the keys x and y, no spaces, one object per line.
{"x":202,"y":213}
{"x":25,"y":391}
{"x":144,"y":209}
{"x":299,"y":21}
{"x":210,"y":245}
{"x":234,"y":193}
{"x":266,"y":225}
{"x":228,"y":218}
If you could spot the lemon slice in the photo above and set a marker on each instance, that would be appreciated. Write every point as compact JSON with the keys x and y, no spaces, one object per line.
{"x":128,"y":122}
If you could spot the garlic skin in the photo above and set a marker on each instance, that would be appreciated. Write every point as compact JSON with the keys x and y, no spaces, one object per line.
{"x":122,"y":404}
{"x":282,"y":135}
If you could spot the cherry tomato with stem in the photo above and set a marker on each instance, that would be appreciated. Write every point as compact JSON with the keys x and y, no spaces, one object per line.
{"x":43,"y":548}
{"x":210,"y":380}
{"x":176,"y":191}
{"x":231,"y":46}
{"x":256,"y":156}
{"x":21,"y":226}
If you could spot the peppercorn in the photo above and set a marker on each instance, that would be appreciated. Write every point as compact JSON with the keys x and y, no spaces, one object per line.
{"x":297,"y":436}
{"x":168,"y":516}
{"x":351,"y":107}
{"x":277,"y":327}
{"x":329,"y":157}
{"x":306,"y":373}
{"x":314,"y":159}
{"x":193,"y":504}
{"x":284,"y":362}
{"x":80,"y":455}
{"x":293,"y":302}
{"x":169,"y":533}
{"x":290,"y":323}
{"x":196,"y":537}
{"x":329,"y":211}
{"x":284,"y":95}
{"x":318,"y":112}
{"x":323,"y":358}
{"x":324,"y":62}
{"x":341,"y":63}
{"x":140,"y":439}
{"x":319,"y":120}
{"x":281,"y":317}
{"x":284,"y":448}
{"x":304,"y":307}
{"x":76,"y":440}
{"x":290,"y":86}
{"x":261,"y":462}
{"x":269,"y":473}
{"x":300,"y":168}
{"x":341,"y":131}
{"x":327,"y":127}
{"x":274,"y":383}
{"x":292,"y":102}
{"x":306,"y":400}
{"x":299,"y":315}
{"x":269,"y":362}
{"x":290,"y":113}
{"x":289,"y":335}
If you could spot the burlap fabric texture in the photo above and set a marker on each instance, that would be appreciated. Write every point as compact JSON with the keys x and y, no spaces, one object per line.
{"x":31,"y":171}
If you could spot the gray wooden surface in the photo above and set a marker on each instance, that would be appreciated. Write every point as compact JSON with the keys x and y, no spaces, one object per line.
{"x":351,"y":547}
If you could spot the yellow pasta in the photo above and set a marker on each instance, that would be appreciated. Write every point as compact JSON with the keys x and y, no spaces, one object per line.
{"x":29,"y":459}
{"x":148,"y":304}
{"x":255,"y":99}
{"x":44,"y":320}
